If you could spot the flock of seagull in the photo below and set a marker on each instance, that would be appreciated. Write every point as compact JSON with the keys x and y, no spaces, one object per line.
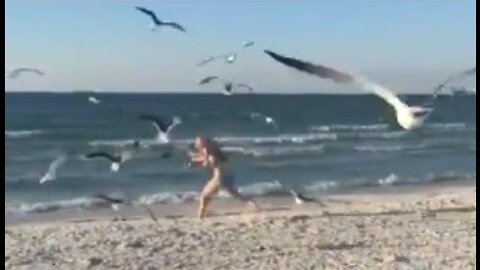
{"x":408,"y":117}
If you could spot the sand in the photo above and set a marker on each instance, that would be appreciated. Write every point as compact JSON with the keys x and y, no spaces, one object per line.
{"x":433,"y":229}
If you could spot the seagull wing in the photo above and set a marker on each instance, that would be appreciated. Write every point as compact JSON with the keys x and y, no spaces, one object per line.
{"x":17,"y":72}
{"x":56,"y":164}
{"x":227,"y":86}
{"x":150,"y":13}
{"x":159,"y":124}
{"x":36,"y":71}
{"x":13,"y":74}
{"x":175,"y":122}
{"x":208,"y":79}
{"x":248,"y":44}
{"x":339,"y":77}
{"x":109,"y":199}
{"x":175,"y":26}
{"x":206,"y":60}
{"x":103,"y":155}
{"x":460,"y":76}
{"x":242,"y":85}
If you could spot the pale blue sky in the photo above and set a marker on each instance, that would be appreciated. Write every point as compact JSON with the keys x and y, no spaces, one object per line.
{"x":107,"y":46}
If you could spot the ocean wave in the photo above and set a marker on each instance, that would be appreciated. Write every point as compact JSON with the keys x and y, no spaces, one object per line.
{"x":285,"y":138}
{"x":45,"y":207}
{"x":385,"y":148}
{"x":90,"y":203}
{"x":340,"y":127}
{"x":321,"y":186}
{"x":447,"y":126}
{"x":112,"y":143}
{"x":168,"y":197}
{"x":259,"y":189}
{"x":389,"y":180}
{"x":262,"y":189}
{"x":376,"y":135}
{"x":22,"y":133}
{"x":275,"y":151}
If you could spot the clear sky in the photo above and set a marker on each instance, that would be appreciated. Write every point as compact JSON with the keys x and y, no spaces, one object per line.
{"x":107,"y":46}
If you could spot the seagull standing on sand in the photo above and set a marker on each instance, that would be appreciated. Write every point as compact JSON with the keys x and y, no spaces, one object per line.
{"x":302,"y":199}
{"x":116,"y":202}
{"x":51,"y":174}
{"x":116,"y":160}
{"x":158,"y":23}
{"x":408,"y":117}
{"x":163,"y":129}
{"x":20,"y":71}
{"x":228,"y":86}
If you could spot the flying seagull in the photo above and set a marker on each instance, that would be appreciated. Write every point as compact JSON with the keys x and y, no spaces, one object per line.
{"x":51,"y":173}
{"x":455,"y":77}
{"x":408,"y":117}
{"x":158,"y":23}
{"x":163,"y":128}
{"x":19,"y":71}
{"x":228,"y":86}
{"x":206,"y":60}
{"x":229,"y":58}
{"x":116,"y":160}
{"x":302,"y":199}
{"x":247,"y":44}
{"x":94,"y":100}
{"x":264,"y":118}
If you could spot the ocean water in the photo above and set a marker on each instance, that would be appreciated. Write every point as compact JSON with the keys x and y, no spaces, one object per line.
{"x":321,"y":144}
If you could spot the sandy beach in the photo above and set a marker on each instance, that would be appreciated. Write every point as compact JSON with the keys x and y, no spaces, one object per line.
{"x":432,"y":228}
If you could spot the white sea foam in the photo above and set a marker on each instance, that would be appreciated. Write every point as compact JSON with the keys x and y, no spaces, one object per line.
{"x":22,"y":133}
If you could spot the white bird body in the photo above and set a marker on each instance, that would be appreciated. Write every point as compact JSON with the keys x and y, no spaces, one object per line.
{"x":115,"y":167}
{"x":51,"y":174}
{"x":94,"y":100}
{"x":408,"y":117}
{"x":264,"y":118}
{"x":299,"y":201}
{"x":296,"y":197}
{"x":230,"y":58}
{"x":269,"y":120}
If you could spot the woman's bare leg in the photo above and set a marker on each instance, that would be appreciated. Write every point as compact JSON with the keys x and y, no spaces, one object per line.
{"x":208,"y":191}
